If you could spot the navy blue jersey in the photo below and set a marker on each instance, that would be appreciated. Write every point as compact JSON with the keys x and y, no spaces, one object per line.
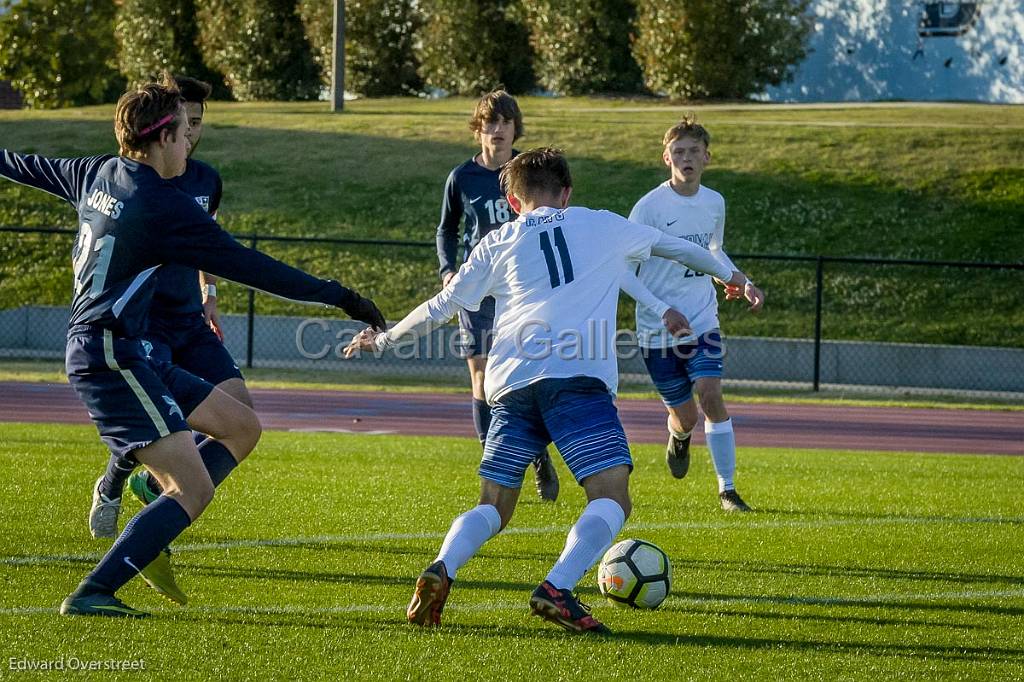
{"x":177,"y":286}
{"x":132,"y":221}
{"x":474,"y":193}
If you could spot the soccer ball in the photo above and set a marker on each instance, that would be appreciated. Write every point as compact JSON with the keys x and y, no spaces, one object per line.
{"x":635,"y":573}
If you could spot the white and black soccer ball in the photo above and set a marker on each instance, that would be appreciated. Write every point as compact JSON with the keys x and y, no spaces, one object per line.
{"x":635,"y":573}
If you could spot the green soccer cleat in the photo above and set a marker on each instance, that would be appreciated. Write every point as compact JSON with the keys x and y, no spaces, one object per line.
{"x":98,"y":604}
{"x":160,"y":577}
{"x":141,"y":483}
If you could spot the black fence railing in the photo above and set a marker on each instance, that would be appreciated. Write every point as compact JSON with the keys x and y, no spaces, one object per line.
{"x":829,"y":319}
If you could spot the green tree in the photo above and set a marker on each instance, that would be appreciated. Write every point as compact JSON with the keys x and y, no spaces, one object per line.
{"x":260,"y":47}
{"x":154,"y":35}
{"x":60,"y":53}
{"x":582,"y":46}
{"x":694,"y":49}
{"x":379,"y":35}
{"x":470,"y":46}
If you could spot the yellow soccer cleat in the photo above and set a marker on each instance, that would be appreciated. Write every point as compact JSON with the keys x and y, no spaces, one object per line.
{"x":160,"y":577}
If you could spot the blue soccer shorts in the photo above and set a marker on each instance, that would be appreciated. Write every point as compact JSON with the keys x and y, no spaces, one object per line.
{"x":122,"y":389}
{"x":477,"y":329}
{"x":674,"y":370}
{"x":188,"y":342}
{"x":576,"y":414}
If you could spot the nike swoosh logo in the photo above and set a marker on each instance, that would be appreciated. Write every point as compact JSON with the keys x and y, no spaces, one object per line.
{"x":129,"y":562}
{"x":671,"y":222}
{"x":473,"y":201}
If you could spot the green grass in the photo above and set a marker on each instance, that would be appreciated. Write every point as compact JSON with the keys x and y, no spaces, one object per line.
{"x":856,"y":566}
{"x":906,"y":181}
{"x":257,"y":377}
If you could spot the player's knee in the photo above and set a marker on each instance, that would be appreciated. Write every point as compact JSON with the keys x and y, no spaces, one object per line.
{"x":250,"y":430}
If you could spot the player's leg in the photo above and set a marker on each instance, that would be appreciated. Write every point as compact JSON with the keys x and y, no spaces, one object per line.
{"x":706,"y":370}
{"x":109,"y":488}
{"x":581,"y":417}
{"x":516,"y":432}
{"x":478,"y":332}
{"x":667,"y":368}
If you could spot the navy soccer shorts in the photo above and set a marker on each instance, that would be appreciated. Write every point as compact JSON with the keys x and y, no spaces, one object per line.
{"x":188,"y":342}
{"x":122,"y":389}
{"x":576,"y":414}
{"x":477,"y":329}
{"x":674,"y":370}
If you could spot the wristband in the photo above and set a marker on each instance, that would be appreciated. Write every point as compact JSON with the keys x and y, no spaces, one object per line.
{"x":211,"y":291}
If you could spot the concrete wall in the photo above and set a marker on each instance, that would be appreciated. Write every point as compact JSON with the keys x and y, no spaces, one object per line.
{"x":869,"y":50}
{"x":38,"y":331}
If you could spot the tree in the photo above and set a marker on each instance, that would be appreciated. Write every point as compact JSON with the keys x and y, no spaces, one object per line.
{"x":693,"y":49}
{"x":582,"y":46}
{"x":260,"y":48}
{"x":379,"y":35}
{"x":158,"y":35}
{"x":470,"y":46}
{"x":59,"y":53}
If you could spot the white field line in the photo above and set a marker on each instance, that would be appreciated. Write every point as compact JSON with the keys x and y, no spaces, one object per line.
{"x":488,"y":607}
{"x":544,"y":530}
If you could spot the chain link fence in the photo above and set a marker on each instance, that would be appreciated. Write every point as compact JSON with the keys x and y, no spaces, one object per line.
{"x":829,"y":321}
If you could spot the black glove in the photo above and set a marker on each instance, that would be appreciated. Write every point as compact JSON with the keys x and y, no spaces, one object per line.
{"x":365,"y":310}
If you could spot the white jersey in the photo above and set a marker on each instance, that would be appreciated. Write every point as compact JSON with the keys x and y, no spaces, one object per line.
{"x":699,"y":219}
{"x":555,"y":278}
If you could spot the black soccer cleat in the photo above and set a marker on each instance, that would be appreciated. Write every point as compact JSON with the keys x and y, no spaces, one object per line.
{"x":545,"y":477}
{"x":563,"y":609}
{"x":732,"y":502}
{"x":677,"y":455}
{"x":98,"y":604}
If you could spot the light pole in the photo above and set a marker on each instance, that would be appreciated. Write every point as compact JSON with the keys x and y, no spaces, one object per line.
{"x":338,"y":65}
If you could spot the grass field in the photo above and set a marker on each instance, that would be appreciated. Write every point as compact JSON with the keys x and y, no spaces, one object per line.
{"x":856,"y":566}
{"x":905,"y":181}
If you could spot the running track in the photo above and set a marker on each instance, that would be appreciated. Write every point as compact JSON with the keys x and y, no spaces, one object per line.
{"x":795,"y":426}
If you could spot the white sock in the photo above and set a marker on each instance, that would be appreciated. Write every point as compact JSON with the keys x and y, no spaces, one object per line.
{"x":467,"y":535}
{"x":722,"y":443}
{"x":681,"y":435}
{"x":588,"y":540}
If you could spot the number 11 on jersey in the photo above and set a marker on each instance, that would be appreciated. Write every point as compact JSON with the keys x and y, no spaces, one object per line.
{"x":563,"y":255}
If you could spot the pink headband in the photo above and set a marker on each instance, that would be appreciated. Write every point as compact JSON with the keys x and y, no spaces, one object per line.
{"x":164,"y":121}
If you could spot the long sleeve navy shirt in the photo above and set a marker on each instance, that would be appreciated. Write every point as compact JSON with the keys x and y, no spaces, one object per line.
{"x":131,"y":221}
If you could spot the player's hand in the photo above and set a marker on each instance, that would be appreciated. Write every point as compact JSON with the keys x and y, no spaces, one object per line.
{"x":212,"y":316}
{"x":364,"y":340}
{"x":749,"y":292}
{"x":448,"y":276}
{"x":676,"y":323}
{"x":365,"y":310}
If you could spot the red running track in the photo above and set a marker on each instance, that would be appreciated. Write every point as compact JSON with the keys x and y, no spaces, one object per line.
{"x":436,"y":414}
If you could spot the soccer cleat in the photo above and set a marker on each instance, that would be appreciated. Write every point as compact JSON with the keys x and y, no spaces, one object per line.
{"x":562,"y":608}
{"x":98,"y":604}
{"x":732,"y":502}
{"x":432,"y":588}
{"x":160,"y":577}
{"x":103,"y":514}
{"x":140,"y":483}
{"x":545,"y":477}
{"x":677,"y":454}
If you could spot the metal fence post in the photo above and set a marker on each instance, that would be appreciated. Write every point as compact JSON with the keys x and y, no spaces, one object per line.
{"x":819,"y":281}
{"x":251,"y":318}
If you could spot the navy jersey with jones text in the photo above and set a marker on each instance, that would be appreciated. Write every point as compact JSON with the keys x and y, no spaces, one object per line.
{"x":132,"y":221}
{"x":474,"y":193}
{"x":177,"y":286}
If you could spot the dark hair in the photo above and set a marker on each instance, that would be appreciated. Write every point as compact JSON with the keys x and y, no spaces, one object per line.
{"x":193,"y":89}
{"x":492,"y":105}
{"x":142,"y":113}
{"x":688,"y":127}
{"x":538,"y":172}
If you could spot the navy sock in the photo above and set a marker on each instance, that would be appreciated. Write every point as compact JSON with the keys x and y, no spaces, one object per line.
{"x":218,"y":460}
{"x":118,"y":470}
{"x":481,"y":418}
{"x":149,"y":531}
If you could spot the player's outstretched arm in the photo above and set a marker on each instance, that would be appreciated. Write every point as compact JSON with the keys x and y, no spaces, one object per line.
{"x":696,"y":258}
{"x":62,"y":178}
